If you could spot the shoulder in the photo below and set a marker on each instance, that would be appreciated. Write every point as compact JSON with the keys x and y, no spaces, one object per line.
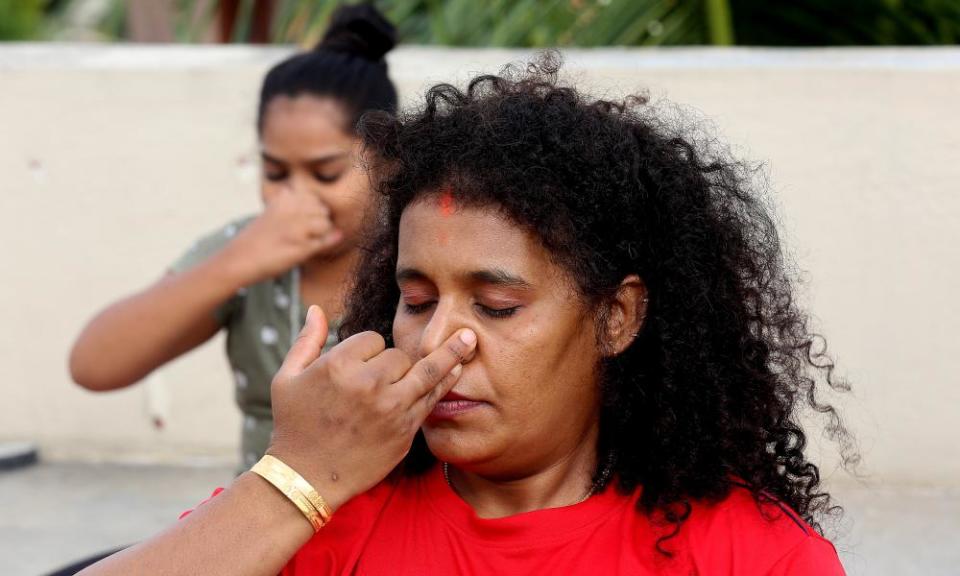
{"x":749,"y":537}
{"x":210,"y":243}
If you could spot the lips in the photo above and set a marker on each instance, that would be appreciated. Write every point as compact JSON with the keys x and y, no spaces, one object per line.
{"x":453,"y":405}
{"x":452,"y":396}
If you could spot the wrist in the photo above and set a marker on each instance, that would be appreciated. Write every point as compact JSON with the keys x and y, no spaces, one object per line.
{"x":327,"y":483}
{"x":272,"y":507}
{"x":296,"y":489}
{"x":235,"y":267}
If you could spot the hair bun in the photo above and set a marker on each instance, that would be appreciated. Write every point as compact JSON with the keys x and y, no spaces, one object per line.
{"x":361,"y":30}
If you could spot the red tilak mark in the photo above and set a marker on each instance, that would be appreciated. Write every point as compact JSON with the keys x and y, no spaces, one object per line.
{"x":446,"y":202}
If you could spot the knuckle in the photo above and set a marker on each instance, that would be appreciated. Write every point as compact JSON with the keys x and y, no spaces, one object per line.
{"x":456,"y":349}
{"x":367,"y":341}
{"x":409,"y":424}
{"x":433,"y":395}
{"x":279,"y":381}
{"x":301,"y":340}
{"x":400,"y":359}
{"x":338,"y":368}
{"x":388,"y":406}
{"x":376,"y":340}
{"x":447,"y":381}
{"x":366,"y":380}
{"x":431,"y":372}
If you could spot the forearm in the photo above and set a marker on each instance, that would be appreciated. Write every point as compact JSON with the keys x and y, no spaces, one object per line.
{"x":132,"y":337}
{"x":249,"y":529}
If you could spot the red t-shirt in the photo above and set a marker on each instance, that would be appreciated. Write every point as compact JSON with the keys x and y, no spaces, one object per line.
{"x":420,"y":526}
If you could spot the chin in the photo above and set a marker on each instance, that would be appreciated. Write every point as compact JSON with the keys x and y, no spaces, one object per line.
{"x":333,"y":252}
{"x":450,"y":444}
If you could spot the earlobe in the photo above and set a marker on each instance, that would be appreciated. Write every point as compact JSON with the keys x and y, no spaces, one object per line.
{"x":627,"y":314}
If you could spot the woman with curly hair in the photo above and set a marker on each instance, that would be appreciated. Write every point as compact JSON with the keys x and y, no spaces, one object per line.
{"x":573,"y":348}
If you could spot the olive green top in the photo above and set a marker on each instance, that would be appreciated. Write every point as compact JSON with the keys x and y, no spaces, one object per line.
{"x":262,"y":321}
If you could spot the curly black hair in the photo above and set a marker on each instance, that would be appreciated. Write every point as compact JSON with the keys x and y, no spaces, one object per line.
{"x":709,"y":394}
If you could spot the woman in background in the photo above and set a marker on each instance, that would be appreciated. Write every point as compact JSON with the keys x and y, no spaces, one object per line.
{"x":256,"y":277}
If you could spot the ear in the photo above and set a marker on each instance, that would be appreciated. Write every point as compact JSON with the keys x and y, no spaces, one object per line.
{"x":625,"y":315}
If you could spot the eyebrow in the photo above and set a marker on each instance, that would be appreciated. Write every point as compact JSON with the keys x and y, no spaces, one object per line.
{"x":499,"y":277}
{"x":318,"y":160}
{"x":494,"y":276}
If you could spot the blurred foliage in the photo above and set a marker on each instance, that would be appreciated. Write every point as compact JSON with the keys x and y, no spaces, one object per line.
{"x":540,"y":23}
{"x":846,"y":22}
{"x":550,"y":22}
{"x":21,"y":19}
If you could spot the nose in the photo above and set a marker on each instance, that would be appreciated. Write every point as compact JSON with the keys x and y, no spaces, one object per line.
{"x":305,"y":184}
{"x":443,"y":323}
{"x":302,"y":183}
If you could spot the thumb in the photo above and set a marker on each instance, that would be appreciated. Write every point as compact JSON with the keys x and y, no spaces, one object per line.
{"x":309,"y":343}
{"x":330,"y":238}
{"x":284,"y":190}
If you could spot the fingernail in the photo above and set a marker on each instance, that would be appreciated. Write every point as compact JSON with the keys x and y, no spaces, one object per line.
{"x":310,"y":313}
{"x":456,"y":370}
{"x":468,"y":337}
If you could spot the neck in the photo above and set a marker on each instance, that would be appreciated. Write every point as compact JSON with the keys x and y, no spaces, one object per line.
{"x":337,"y":266}
{"x":325,"y":281}
{"x":563,"y":482}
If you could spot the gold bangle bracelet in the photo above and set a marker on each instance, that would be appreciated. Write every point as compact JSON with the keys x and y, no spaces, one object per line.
{"x":317,"y":501}
{"x":295,"y":488}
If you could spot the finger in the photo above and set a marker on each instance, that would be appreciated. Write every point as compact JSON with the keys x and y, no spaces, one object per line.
{"x":299,"y":191}
{"x":427,"y":374}
{"x":288,"y":195}
{"x":425,"y":404}
{"x":309,"y":343}
{"x":311,"y":206}
{"x":362,"y":346}
{"x":322,"y":207}
{"x":309,"y":202}
{"x":275,"y":200}
{"x":319,"y":226}
{"x":390,"y":365}
{"x":332,"y":238}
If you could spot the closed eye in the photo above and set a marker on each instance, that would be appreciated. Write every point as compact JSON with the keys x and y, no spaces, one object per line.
{"x":417,"y":308}
{"x":485,"y":310}
{"x":497,"y":312}
{"x":324,"y":179}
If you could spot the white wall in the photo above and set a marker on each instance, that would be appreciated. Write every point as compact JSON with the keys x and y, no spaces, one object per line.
{"x":113,"y":159}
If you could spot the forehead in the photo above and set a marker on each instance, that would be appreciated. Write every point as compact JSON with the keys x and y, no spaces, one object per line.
{"x":438,"y":237}
{"x":304,"y":120}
